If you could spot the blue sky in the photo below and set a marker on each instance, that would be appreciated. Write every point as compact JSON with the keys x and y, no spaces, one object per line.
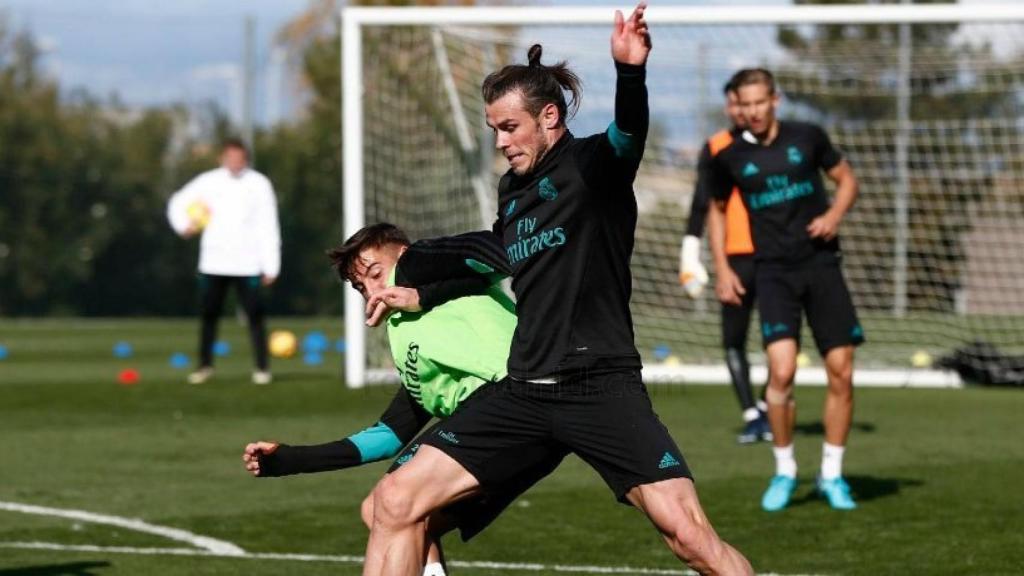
{"x":180,"y":51}
{"x":148,"y":52}
{"x":158,"y":52}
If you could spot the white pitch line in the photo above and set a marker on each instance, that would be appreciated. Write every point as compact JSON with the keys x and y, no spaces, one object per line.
{"x":502,"y":566}
{"x":344,"y":559}
{"x":218,"y":547}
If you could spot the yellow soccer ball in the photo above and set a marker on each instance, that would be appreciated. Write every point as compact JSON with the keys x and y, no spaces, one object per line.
{"x":282,"y":344}
{"x":803,"y":360}
{"x":199,"y":214}
{"x":921,"y":359}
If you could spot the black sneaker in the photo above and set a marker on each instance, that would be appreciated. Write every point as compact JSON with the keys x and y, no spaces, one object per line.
{"x":756,"y":430}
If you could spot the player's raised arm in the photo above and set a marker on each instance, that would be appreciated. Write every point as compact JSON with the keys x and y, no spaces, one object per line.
{"x":631,"y":43}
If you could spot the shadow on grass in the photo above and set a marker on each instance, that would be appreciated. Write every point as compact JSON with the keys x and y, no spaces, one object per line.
{"x":818,"y":429}
{"x":864,"y":489}
{"x":68,"y":569}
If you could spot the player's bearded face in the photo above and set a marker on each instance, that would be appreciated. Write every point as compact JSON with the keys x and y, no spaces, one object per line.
{"x":521,"y":137}
{"x":757,"y":104}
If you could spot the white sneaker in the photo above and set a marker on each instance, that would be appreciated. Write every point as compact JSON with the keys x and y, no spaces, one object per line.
{"x":262,"y":377}
{"x":200,"y":376}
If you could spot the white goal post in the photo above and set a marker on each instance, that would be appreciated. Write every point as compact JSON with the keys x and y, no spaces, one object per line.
{"x":924,"y":99}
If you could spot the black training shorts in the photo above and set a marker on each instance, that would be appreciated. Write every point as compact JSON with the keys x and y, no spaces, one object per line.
{"x":474,"y":514}
{"x":607,"y":420}
{"x":817,"y":288}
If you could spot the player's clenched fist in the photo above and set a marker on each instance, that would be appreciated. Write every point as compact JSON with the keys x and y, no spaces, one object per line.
{"x":251,"y":456}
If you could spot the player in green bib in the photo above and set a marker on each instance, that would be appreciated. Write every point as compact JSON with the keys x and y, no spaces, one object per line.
{"x":443,"y":354}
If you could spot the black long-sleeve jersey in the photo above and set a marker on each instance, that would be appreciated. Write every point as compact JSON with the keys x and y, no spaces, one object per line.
{"x":567,"y":228}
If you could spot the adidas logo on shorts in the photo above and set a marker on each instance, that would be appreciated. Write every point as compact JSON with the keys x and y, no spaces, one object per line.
{"x":668,"y":461}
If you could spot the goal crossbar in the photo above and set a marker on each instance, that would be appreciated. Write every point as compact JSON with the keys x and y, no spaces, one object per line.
{"x":707,"y":15}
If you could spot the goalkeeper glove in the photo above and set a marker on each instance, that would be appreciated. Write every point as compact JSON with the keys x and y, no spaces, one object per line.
{"x":692,"y":274}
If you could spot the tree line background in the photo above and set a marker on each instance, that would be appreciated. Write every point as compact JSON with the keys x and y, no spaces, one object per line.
{"x":84,"y":181}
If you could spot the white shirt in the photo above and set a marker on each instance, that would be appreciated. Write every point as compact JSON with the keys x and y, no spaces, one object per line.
{"x":243,"y":237}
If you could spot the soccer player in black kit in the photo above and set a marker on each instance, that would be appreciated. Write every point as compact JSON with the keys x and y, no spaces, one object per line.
{"x":777,"y":167}
{"x":566,"y":220}
{"x":734,"y":262}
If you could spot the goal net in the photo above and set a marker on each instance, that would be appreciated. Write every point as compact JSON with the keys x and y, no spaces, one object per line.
{"x":926,"y":102}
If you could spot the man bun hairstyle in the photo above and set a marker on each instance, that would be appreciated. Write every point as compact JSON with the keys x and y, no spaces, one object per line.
{"x":538,"y":84}
{"x":533,"y":56}
{"x":344,"y":257}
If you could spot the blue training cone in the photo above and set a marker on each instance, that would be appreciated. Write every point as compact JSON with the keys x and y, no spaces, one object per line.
{"x":179,"y":360}
{"x":313,"y":358}
{"x":315,"y":341}
{"x":661,"y":352}
{"x":123,"y":349}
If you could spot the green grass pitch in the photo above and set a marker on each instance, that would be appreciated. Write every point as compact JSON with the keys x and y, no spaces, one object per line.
{"x":938,"y":473}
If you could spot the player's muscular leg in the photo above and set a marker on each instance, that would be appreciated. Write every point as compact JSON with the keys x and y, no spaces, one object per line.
{"x":402,"y":503}
{"x":437,"y":526}
{"x":674,"y":509}
{"x":781,"y":371}
{"x":839,"y":401}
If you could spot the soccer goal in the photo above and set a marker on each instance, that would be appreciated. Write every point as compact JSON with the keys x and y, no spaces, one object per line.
{"x":926,"y":101}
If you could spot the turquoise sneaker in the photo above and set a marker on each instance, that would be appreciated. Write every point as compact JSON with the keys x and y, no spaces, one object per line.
{"x":837,"y":492}
{"x":779,"y":491}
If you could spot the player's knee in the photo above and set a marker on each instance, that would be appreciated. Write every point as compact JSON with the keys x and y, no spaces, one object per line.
{"x":694,"y":537}
{"x":842,"y":374}
{"x":781,"y":373}
{"x":392,"y":504}
{"x":774,"y":396}
{"x":841,"y":383}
